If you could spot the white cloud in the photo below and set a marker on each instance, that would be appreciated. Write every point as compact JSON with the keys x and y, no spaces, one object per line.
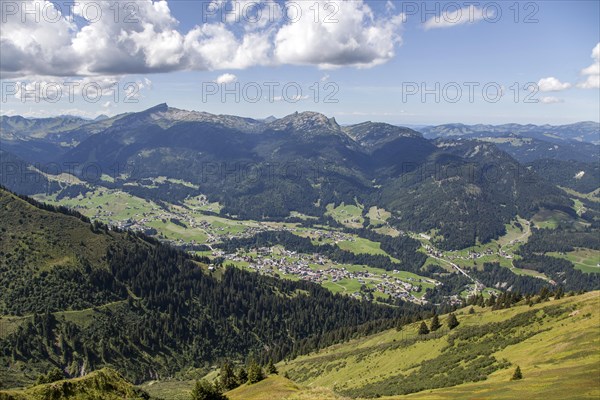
{"x":550,"y":100}
{"x":226,"y":79}
{"x":151,"y":41}
{"x":457,"y":16}
{"x":552,"y":84}
{"x":348,"y":34}
{"x":592,"y":73}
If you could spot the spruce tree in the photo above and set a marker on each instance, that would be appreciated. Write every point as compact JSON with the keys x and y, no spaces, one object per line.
{"x":204,"y":390}
{"x":452,"y":322}
{"x":271,"y":369}
{"x":423,"y":329}
{"x":227,"y":378}
{"x":435,"y":323}
{"x":242,"y":375}
{"x":255,"y":372}
{"x":517,"y":375}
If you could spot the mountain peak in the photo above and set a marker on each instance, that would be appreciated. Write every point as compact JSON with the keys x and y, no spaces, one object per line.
{"x":371,"y":134}
{"x":162,"y":107}
{"x":307,"y":121}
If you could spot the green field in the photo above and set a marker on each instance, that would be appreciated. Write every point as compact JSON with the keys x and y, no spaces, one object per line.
{"x":348,"y":215}
{"x":115,"y":206}
{"x":360,"y":245}
{"x":378,"y":216}
{"x":105,"y":204}
{"x":551,"y":219}
{"x":173,"y":231}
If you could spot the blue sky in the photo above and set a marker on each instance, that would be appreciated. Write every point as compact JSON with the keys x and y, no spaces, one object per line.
{"x":548,"y":44}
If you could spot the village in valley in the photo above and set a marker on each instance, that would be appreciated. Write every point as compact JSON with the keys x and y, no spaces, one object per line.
{"x":277,"y":261}
{"x":196,"y":225}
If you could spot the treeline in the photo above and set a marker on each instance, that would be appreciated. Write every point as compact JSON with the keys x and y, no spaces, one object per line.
{"x":561,"y":271}
{"x":493,"y":275}
{"x":548,"y":240}
{"x":501,"y":301}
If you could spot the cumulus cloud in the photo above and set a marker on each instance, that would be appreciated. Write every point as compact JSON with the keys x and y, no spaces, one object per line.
{"x":148,"y":39}
{"x":457,"y":16}
{"x":347,"y":34}
{"x":226,"y":79}
{"x":552,"y":84}
{"x":592,"y":73}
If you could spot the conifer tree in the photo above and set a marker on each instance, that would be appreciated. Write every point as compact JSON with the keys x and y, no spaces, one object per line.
{"x":242,"y":375}
{"x":227,"y":378}
{"x":204,"y":390}
{"x":255,"y":372}
{"x":517,"y":375}
{"x":452,"y":321}
{"x":271,"y":369}
{"x":435,"y":323}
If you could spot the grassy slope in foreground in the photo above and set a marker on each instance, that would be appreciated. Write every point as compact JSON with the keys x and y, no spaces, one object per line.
{"x":104,"y":384}
{"x":560,"y":361}
{"x":278,"y":387}
{"x":558,"y":351}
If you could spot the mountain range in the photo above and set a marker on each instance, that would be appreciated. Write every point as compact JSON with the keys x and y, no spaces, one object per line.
{"x":466,"y":188}
{"x":528,"y":143}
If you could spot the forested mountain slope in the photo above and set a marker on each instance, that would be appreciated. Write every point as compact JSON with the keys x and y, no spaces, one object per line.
{"x":80,"y":296}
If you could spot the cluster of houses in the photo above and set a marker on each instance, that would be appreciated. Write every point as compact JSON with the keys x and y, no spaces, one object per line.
{"x":275,"y":260}
{"x":471,"y":255}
